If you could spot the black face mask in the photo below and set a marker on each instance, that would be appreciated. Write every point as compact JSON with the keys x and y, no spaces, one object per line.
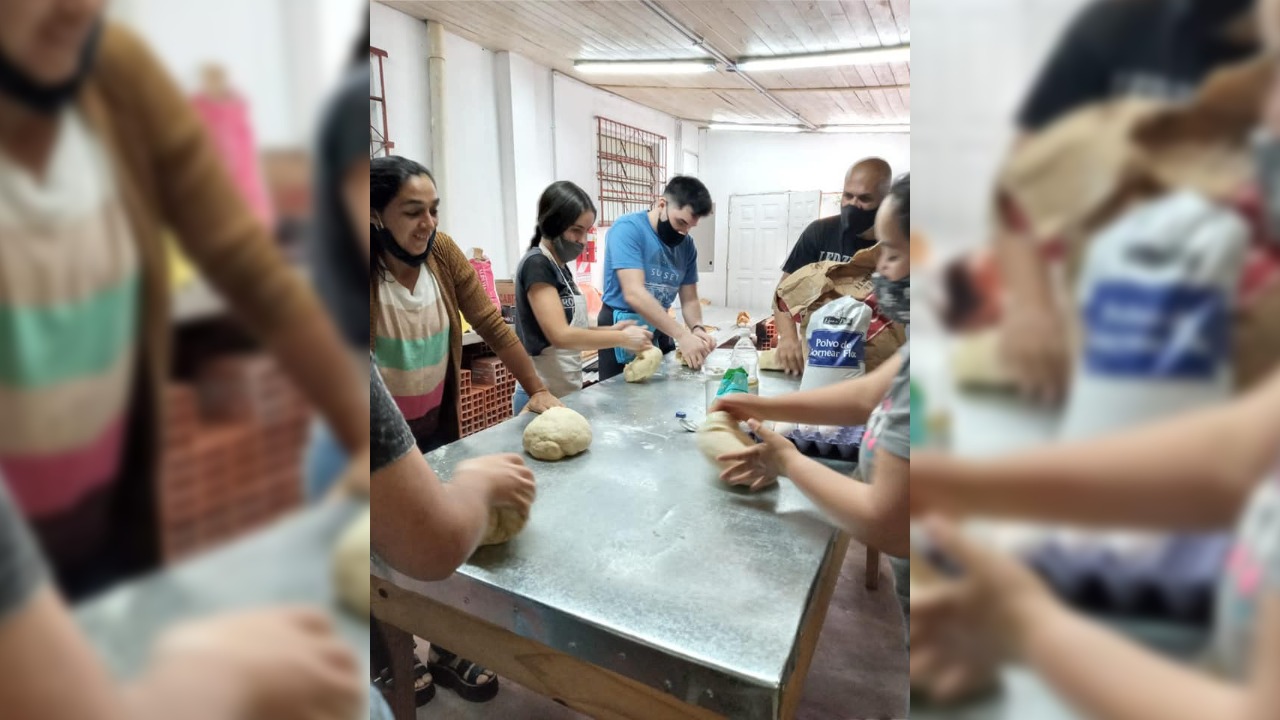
{"x":566,"y":250}
{"x":20,"y":87}
{"x":854,"y":220}
{"x":668,"y":234}
{"x":388,"y":241}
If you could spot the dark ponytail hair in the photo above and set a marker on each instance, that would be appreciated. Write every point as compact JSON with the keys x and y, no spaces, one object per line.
{"x":900,"y":191}
{"x":559,"y":208}
{"x":386,"y":176}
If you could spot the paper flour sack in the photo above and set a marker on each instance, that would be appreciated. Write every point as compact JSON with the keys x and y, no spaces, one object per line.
{"x":1155,"y":297}
{"x":836,"y":338}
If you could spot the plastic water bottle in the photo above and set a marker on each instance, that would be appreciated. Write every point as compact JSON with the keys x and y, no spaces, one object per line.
{"x":746,"y":356}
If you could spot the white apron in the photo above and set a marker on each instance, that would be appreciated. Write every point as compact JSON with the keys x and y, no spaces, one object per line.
{"x":560,"y":369}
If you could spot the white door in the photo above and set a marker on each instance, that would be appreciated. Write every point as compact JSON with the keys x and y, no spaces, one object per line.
{"x":757,"y":248}
{"x":802,"y":210}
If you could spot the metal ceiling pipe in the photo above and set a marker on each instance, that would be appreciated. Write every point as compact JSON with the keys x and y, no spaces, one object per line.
{"x":720,"y":57}
{"x":435,"y":90}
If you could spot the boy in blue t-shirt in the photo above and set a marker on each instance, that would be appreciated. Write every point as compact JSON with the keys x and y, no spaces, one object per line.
{"x":649,"y":260}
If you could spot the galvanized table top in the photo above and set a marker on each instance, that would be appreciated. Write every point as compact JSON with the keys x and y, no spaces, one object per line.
{"x":287,"y":563}
{"x":638,"y":559}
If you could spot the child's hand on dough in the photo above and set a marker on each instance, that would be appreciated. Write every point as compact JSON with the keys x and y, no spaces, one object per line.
{"x":759,"y":465}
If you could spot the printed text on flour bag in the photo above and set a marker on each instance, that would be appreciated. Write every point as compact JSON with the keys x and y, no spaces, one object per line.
{"x":1167,"y":332}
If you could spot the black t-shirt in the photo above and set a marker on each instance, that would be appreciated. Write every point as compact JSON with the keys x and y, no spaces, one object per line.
{"x":824,"y":240}
{"x":338,"y":264}
{"x":535,"y":267}
{"x":389,"y":435}
{"x":1159,"y":49}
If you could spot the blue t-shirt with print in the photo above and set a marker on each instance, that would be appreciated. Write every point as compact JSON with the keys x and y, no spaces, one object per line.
{"x":632,"y":244}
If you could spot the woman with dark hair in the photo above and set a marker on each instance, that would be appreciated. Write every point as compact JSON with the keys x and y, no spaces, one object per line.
{"x":551,"y":312}
{"x":418,"y":282}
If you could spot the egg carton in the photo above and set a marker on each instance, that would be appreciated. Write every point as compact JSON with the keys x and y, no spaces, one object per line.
{"x":843,"y":444}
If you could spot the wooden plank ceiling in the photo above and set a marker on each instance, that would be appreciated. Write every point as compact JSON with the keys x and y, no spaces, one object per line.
{"x":555,"y":33}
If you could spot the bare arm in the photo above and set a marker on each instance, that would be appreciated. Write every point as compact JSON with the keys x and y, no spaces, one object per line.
{"x":690,"y":305}
{"x":545,"y":302}
{"x":1082,"y":660}
{"x":876,"y":515}
{"x":786,"y":327}
{"x":638,"y":297}
{"x":424,"y":528}
{"x":41,"y":635}
{"x":1193,"y":471}
{"x":845,"y":403}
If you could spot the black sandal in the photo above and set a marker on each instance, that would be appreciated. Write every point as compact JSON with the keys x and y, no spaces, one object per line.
{"x":462,"y":676}
{"x":424,"y":687}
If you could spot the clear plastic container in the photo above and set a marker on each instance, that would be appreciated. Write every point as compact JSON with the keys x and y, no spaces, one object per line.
{"x":721,"y":361}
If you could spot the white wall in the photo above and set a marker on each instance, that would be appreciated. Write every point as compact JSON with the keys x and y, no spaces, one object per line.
{"x":282,"y":55}
{"x":961,"y":129}
{"x":472,"y":196}
{"x":405,"y":74}
{"x":741,"y":163}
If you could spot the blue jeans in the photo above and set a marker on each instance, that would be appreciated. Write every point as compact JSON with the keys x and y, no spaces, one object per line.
{"x":378,"y":708}
{"x":325,"y":462}
{"x":518,"y":400}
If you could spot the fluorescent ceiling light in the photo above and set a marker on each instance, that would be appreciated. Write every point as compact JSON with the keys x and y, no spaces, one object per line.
{"x":755,"y":128}
{"x":865,"y":56}
{"x":644,"y":67}
{"x":865,"y":129}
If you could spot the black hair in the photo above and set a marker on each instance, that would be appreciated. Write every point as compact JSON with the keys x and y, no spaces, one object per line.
{"x":685,"y":190}
{"x":560,"y":206}
{"x":900,"y":191}
{"x":360,"y":51}
{"x":386,"y":176}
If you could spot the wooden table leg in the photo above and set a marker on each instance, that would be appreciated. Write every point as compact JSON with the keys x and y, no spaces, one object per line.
{"x":400,"y":646}
{"x":873,"y":568}
{"x":811,"y":628}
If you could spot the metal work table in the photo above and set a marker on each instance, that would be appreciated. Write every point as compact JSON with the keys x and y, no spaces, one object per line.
{"x":642,"y":586}
{"x":286,"y":563}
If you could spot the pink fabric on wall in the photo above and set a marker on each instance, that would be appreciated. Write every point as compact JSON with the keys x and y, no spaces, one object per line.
{"x":227,"y":120}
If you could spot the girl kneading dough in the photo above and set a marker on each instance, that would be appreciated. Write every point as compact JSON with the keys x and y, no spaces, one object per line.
{"x":551,"y":312}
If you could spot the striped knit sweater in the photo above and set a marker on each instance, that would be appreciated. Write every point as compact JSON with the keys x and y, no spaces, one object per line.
{"x":69,"y":311}
{"x":411,"y":343}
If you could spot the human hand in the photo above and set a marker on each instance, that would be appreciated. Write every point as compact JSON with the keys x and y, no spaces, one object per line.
{"x":741,"y":406}
{"x":1033,"y":345}
{"x":636,"y":339}
{"x":543,"y":401}
{"x":275,"y":664}
{"x":760,"y":465}
{"x":509,"y":480}
{"x":694,"y":349}
{"x":964,"y":630}
{"x":790,"y":355}
{"x":705,"y":336}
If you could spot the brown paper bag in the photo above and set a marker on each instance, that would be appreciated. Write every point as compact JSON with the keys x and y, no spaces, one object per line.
{"x":814,"y":285}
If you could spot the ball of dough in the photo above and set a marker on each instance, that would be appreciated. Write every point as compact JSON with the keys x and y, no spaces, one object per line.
{"x":557,"y":433}
{"x":720,"y":434}
{"x":351,"y":566}
{"x":644,"y":366}
{"x":769,"y":360}
{"x":504,"y":524}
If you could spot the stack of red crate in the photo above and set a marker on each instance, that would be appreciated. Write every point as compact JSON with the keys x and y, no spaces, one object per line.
{"x":233,"y":453}
{"x":770,"y":335}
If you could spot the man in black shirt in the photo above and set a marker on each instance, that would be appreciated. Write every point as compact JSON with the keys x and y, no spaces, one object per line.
{"x":1157,"y":49}
{"x":834,"y":238}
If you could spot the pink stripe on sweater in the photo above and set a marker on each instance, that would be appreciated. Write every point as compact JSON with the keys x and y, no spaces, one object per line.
{"x":415,"y":406}
{"x":44,"y":485}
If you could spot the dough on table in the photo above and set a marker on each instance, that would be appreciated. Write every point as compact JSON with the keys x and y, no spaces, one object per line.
{"x":644,"y":366}
{"x":557,"y":433}
{"x":504,"y":524}
{"x":720,"y":434}
{"x":769,"y":360}
{"x":680,"y":358}
{"x":351,"y":566}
